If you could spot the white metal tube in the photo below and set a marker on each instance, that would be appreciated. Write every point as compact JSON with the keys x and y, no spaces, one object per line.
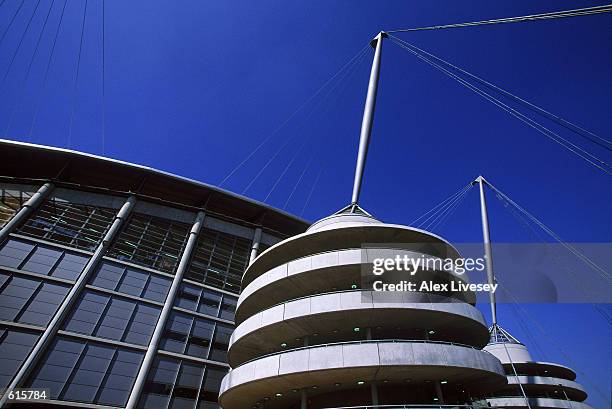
{"x":487,"y":246}
{"x":32,"y":203}
{"x":64,"y":308}
{"x":147,"y":362}
{"x":368,"y":117}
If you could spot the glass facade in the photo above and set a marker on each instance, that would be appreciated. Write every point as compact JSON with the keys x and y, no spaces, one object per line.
{"x":97,"y":352}
{"x":175,"y":383}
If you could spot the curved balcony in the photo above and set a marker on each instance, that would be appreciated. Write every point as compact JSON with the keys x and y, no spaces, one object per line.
{"x":322,"y":272}
{"x":324,"y":366}
{"x":324,"y":313}
{"x":546,"y":384}
{"x":345,"y":236}
{"x":536,"y":403}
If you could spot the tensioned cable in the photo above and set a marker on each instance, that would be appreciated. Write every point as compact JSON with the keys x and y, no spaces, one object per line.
{"x":595,"y":161}
{"x":435,"y":217}
{"x":532,"y":123}
{"x":25,"y":31}
{"x":460,"y":191}
{"x":552,"y":340}
{"x":445,"y":211}
{"x":27,"y":75}
{"x":524,"y":222}
{"x":8,"y":27}
{"x":46,"y":75}
{"x":332,"y":102}
{"x":103,"y":76}
{"x":286,"y":121}
{"x":588,"y":135}
{"x":312,"y":188}
{"x":449,"y":212}
{"x":306,"y":167}
{"x":570,"y":248}
{"x":280,"y":176}
{"x":76,"y":76}
{"x":298,"y":132}
{"x":519,"y":19}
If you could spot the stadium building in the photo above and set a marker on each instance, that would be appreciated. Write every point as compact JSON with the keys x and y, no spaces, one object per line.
{"x":119,"y":283}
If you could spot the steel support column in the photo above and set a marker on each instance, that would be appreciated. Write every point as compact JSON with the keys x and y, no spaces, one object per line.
{"x":147,"y":362}
{"x":368,"y":117}
{"x":23,"y":213}
{"x":255,"y":245}
{"x":487,"y":246}
{"x":66,"y":305}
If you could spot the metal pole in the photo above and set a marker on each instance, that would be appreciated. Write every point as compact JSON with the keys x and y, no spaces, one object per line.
{"x":147,"y":362}
{"x":566,"y":397}
{"x":518,"y":380}
{"x":368,"y":116}
{"x":303,"y":399}
{"x":66,"y":305}
{"x":487,"y":246}
{"x":255,"y":245}
{"x":23,"y":213}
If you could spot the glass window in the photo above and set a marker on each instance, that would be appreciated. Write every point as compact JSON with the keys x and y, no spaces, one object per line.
{"x":132,"y":281}
{"x":220,"y":342}
{"x":189,"y":335}
{"x":14,"y":252}
{"x":210,"y":388}
{"x":219,"y":260}
{"x":113,"y":317}
{"x":175,"y":383}
{"x":71,"y":224}
{"x":15,"y":345}
{"x":29,"y":300}
{"x":206,"y":301}
{"x":86,"y":371}
{"x":152,"y":242}
{"x":228,"y":307}
{"x":209,"y":303}
{"x":41,"y":259}
{"x":188,"y":297}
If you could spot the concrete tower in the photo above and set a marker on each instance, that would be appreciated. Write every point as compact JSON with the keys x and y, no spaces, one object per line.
{"x":544,"y":384}
{"x":308,"y":335}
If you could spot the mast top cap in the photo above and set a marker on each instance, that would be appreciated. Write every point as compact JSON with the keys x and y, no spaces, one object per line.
{"x":374,"y":41}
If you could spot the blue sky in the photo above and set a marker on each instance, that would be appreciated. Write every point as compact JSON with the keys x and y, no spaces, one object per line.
{"x":193,"y":87}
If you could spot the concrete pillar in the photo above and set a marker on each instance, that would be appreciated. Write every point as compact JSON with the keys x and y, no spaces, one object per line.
{"x":369,"y":334}
{"x":303,"y":399}
{"x":23,"y":213}
{"x":66,"y":305}
{"x":147,"y":362}
{"x":255,"y":245}
{"x":374,"y":391}
{"x":439,"y":392}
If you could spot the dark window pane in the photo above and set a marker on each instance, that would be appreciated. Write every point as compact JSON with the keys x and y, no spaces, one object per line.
{"x":188,"y":297}
{"x":15,"y":345}
{"x":228,"y":308}
{"x":70,"y":266}
{"x":14,"y":253}
{"x":209,"y":303}
{"x":42,"y":260}
{"x":220,"y":343}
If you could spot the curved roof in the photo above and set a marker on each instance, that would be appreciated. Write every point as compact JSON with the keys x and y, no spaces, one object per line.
{"x":23,"y":162}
